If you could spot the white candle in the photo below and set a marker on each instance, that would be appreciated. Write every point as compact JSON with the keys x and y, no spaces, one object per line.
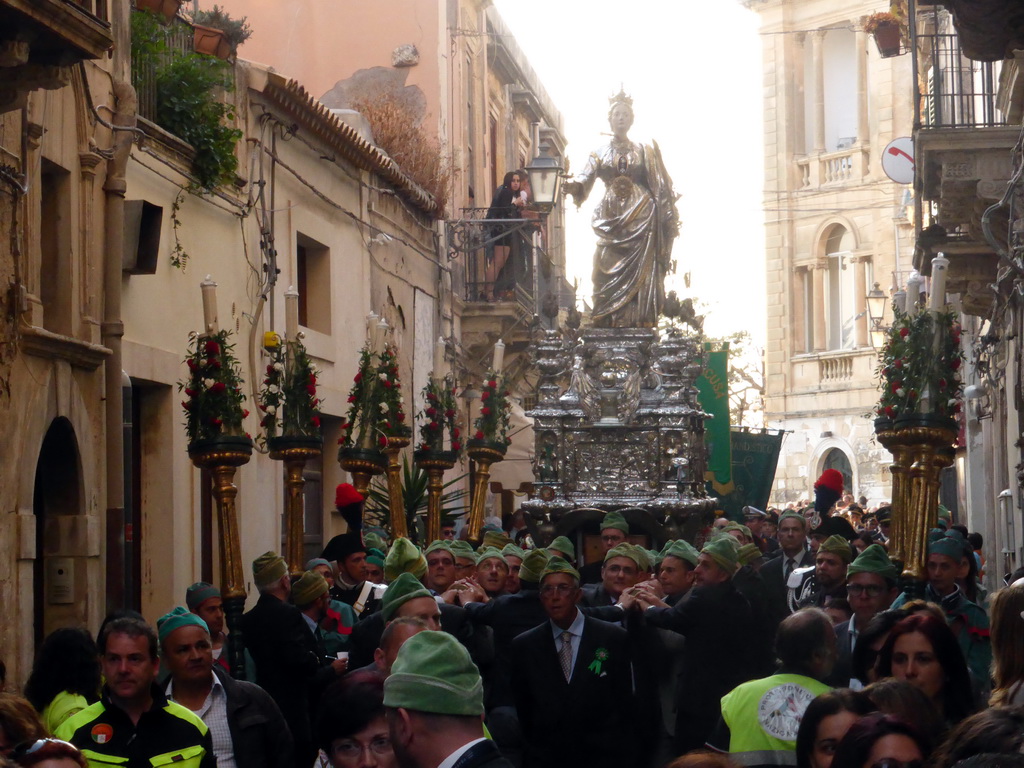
{"x":913,"y":293}
{"x":439,"y":359}
{"x":291,"y":314}
{"x":899,"y":299}
{"x":371,"y":325}
{"x":209,"y":289}
{"x":499,"y":356}
{"x":379,"y":336}
{"x":937,"y":299}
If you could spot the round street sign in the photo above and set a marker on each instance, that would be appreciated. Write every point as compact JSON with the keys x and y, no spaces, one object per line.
{"x":898,"y":160}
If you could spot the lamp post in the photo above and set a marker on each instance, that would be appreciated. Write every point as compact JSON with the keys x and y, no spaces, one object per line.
{"x":876,"y":314}
{"x":545,"y":179}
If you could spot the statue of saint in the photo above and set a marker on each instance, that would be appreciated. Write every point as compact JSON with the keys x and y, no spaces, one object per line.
{"x":636,"y":223}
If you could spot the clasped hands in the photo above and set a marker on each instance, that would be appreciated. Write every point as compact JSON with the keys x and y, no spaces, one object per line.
{"x":643,"y":596}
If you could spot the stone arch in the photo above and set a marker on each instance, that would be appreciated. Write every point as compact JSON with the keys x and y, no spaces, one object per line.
{"x":824,"y":231}
{"x":827,"y":454}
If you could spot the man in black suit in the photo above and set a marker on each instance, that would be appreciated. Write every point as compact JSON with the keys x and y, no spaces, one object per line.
{"x":434,"y":700}
{"x":716,"y":621}
{"x":573,"y":685}
{"x":623,"y":567}
{"x":793,"y":544}
{"x":283,"y":650}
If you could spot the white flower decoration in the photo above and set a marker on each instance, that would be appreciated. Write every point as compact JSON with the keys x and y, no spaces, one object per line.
{"x":271,"y":409}
{"x":273,"y":389}
{"x":383,"y":407}
{"x":278,"y":367}
{"x":208,"y":383}
{"x":901,"y":392}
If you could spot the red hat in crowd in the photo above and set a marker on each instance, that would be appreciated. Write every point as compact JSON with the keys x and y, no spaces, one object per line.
{"x":827,"y":490}
{"x":346,"y":494}
{"x":831,"y":479}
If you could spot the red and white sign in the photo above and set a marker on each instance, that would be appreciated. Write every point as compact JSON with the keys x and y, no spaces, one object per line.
{"x":898,"y":160}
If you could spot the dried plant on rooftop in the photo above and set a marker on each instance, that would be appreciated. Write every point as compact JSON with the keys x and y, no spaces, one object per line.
{"x":399,"y":133}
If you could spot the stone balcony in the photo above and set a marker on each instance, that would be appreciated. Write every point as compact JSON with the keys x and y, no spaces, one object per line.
{"x":832,"y":169}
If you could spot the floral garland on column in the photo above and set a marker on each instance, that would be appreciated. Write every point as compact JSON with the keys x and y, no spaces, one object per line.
{"x":439,"y":416}
{"x":492,"y":423}
{"x":376,"y":406}
{"x":288,"y":398}
{"x":392,"y":404}
{"x":214,"y":400}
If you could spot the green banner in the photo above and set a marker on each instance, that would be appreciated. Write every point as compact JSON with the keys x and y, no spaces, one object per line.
{"x":755,"y":455}
{"x":713,"y":389}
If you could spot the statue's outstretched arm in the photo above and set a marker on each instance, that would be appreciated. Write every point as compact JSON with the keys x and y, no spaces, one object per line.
{"x":581,"y":183}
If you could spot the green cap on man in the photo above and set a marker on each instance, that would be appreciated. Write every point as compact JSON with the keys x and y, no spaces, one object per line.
{"x":724,"y":550}
{"x":403,"y":589}
{"x":433,"y":673}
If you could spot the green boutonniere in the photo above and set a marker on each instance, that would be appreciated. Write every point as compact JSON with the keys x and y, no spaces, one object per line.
{"x":600,"y":656}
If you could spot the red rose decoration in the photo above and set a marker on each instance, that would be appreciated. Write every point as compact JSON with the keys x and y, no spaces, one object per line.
{"x":431,"y":412}
{"x":896,"y":385}
{"x":904,"y":332}
{"x":449,"y":413}
{"x":492,"y":383}
{"x":218,"y":387}
{"x":186,"y":406}
{"x":358,"y":377}
{"x":216,"y":422}
{"x":382,"y":441}
{"x":485,"y":411}
{"x":245,"y":413}
{"x":433,"y":425}
{"x":387,"y":385}
{"x":191,"y":364}
{"x":955,"y":365}
{"x":212,"y":348}
{"x":316,"y":421}
{"x":479,"y":434}
{"x":190,"y":392}
{"x":484,"y":395}
{"x":311,"y":390}
{"x":456,"y":446}
{"x":351,"y":398}
{"x":312,"y":378}
{"x":400,"y":416}
{"x":455,"y":432}
{"x":889,"y":411}
{"x":270,"y":370}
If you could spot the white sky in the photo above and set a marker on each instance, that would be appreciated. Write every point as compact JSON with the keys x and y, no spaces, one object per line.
{"x":694,"y":72}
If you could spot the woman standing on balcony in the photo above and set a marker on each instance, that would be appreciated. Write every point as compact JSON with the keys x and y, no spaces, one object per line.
{"x":506,"y":204}
{"x":635,"y":224}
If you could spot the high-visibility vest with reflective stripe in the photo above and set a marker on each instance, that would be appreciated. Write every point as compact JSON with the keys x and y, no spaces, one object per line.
{"x":764,"y":716}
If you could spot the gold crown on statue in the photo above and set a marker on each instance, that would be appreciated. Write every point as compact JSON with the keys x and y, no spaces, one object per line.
{"x":621,"y":98}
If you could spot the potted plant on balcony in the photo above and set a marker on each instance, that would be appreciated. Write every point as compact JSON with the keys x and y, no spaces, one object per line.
{"x":166,"y":8}
{"x":887,"y":27}
{"x":218,"y":33}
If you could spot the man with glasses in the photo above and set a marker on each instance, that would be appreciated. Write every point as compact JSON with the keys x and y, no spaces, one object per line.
{"x":794,"y":554}
{"x":440,"y":566}
{"x":573,"y":688}
{"x":465,"y":560}
{"x":614,"y":531}
{"x":871,"y":588}
{"x":623,"y":567}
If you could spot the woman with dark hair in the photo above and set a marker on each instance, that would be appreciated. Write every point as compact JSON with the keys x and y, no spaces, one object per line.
{"x":351,"y":721}
{"x":922,"y":650}
{"x":910,"y":704}
{"x":881,"y":741}
{"x":65,"y":676}
{"x":1007,"y":636}
{"x":869,"y":642}
{"x":826,"y":720}
{"x":19,"y":723}
{"x":997,"y":730}
{"x":48,"y":753}
{"x":506,"y":204}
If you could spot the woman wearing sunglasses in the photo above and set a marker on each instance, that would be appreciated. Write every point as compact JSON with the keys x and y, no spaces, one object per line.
{"x":881,"y":741}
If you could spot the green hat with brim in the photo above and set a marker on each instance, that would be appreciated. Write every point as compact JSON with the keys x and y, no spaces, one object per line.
{"x":463,"y":549}
{"x":559,"y":565}
{"x":492,"y":553}
{"x":375,"y":541}
{"x":314,"y":562}
{"x":200,"y":592}
{"x":628,"y":550}
{"x":837,"y":545}
{"x":747,"y":554}
{"x":533,"y":565}
{"x":433,"y":673}
{"x":404,"y":557}
{"x":724,"y":550}
{"x":684,"y":550}
{"x":737,"y":527}
{"x":268,"y":568}
{"x":440,"y":545}
{"x":495,"y":539}
{"x":791,"y":515}
{"x":176,"y":619}
{"x":874,"y":559}
{"x":615,"y":520}
{"x":563,"y":545}
{"x":309,"y":586}
{"x":375,"y":556}
{"x":511,"y":550}
{"x":404,"y":588}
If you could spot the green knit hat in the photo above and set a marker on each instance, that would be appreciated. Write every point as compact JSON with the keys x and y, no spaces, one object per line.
{"x":433,"y":673}
{"x":442,"y":545}
{"x":682,"y":549}
{"x":404,"y":557}
{"x":492,"y":552}
{"x":559,"y":565}
{"x":375,"y":541}
{"x":615,"y":520}
{"x":748,"y":553}
{"x":496,"y":539}
{"x":199,"y":593}
{"x":533,"y":565}
{"x":511,"y":550}
{"x":179,"y":617}
{"x":948,"y":545}
{"x":375,"y":556}
{"x":563,"y":545}
{"x":793,"y":515}
{"x":404,"y":588}
{"x":724,"y":550}
{"x":628,"y":550}
{"x":463,"y":549}
{"x":737,"y":527}
{"x":308,"y":588}
{"x":837,"y":545}
{"x":874,"y":559}
{"x":268,"y":568}
{"x":315,"y":561}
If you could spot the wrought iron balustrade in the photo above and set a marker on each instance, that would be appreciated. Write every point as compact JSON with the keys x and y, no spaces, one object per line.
{"x":960,"y":92}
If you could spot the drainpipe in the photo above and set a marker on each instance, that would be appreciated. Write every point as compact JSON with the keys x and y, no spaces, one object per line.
{"x":112,"y":330}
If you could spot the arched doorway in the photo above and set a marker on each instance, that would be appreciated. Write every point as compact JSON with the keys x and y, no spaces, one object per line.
{"x":838,"y":460}
{"x":57,"y":496}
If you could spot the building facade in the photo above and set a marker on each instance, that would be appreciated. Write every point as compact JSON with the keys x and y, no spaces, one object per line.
{"x":836,"y":229}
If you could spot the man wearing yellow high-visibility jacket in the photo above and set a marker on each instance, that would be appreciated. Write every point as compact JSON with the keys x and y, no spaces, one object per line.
{"x":760,"y":719}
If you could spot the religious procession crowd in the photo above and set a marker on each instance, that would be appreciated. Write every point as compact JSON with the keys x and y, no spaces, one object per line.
{"x":782,"y":641}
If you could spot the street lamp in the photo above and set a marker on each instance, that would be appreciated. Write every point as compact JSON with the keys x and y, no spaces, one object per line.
{"x":545,"y":179}
{"x":876,"y":299}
